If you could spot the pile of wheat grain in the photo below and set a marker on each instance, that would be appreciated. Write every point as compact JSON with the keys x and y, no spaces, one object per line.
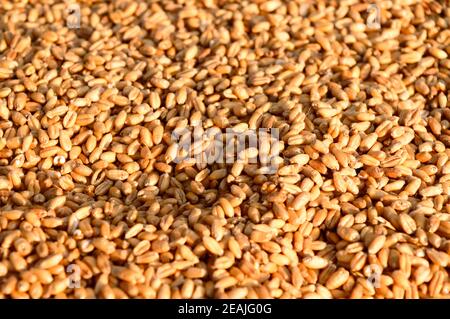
{"x":93,"y":204}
